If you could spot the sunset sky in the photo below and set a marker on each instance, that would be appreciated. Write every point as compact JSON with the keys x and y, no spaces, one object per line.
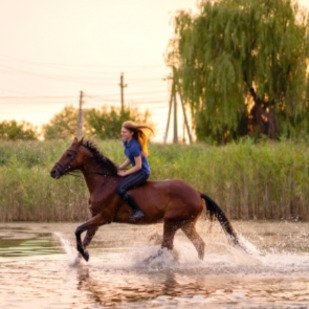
{"x":52,"y":49}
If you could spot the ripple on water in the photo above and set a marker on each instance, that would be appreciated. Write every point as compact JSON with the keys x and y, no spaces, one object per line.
{"x":134,"y":275}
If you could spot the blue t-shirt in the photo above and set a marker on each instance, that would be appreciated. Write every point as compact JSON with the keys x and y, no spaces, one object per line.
{"x":134,"y":149}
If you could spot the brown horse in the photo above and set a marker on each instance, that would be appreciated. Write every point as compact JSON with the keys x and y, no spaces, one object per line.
{"x":175,"y":202}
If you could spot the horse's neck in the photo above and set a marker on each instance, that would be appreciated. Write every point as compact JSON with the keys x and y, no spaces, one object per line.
{"x":95,"y":176}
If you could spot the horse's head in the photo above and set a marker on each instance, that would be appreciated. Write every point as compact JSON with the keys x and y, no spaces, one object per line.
{"x":71,"y":160}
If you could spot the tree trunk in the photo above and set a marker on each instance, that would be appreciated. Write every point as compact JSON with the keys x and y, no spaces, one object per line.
{"x":262,"y":118}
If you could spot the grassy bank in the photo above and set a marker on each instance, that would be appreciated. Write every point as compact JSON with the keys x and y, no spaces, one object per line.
{"x":264,"y":181}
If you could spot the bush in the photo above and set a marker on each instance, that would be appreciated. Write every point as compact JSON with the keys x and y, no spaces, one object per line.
{"x":12,"y":130}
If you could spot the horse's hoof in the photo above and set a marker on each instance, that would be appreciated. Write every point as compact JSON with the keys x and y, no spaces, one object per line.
{"x":85,"y":255}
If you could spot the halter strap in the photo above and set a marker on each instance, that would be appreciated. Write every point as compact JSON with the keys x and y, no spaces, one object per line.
{"x":67,"y":166}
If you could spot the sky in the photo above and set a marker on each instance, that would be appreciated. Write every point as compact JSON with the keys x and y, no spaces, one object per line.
{"x":53,"y":49}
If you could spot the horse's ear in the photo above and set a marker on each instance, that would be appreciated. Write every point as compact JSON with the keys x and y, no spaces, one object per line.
{"x":75,"y":140}
{"x":81,"y":141}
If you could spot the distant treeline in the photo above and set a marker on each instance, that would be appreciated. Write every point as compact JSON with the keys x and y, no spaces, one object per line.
{"x":249,"y":181}
{"x":101,"y":123}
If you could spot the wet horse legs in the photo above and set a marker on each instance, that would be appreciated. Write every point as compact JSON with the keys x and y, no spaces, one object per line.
{"x":91,"y":226}
{"x":90,"y":233}
{"x":169,"y":230}
{"x":191,"y":233}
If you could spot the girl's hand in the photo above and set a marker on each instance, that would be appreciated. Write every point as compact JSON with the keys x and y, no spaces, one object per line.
{"x":121,"y":173}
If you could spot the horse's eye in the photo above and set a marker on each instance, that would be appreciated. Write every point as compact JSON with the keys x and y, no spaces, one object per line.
{"x":69,"y":155}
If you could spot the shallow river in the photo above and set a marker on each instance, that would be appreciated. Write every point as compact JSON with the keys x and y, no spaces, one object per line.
{"x":39,"y":268}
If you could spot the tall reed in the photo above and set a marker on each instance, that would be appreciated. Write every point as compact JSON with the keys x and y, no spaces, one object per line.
{"x":249,"y":181}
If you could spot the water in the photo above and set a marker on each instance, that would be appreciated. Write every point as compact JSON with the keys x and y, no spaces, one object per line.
{"x":39,"y":268}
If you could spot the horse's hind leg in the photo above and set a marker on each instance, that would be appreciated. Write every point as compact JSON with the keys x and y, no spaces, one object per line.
{"x":191,"y":233}
{"x":169,"y":230}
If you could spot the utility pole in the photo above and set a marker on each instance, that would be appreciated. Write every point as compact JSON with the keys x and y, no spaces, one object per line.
{"x":184,"y":114}
{"x":175,"y":139}
{"x":172,"y":105}
{"x":80,"y":118}
{"x":122,"y":86}
{"x":169,"y":113}
{"x":173,"y":101}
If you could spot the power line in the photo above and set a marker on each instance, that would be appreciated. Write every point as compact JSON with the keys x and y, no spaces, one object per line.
{"x":95,"y":75}
{"x":70,"y":78}
{"x":36,"y":97}
{"x":90,"y":80}
{"x":71,"y":100}
{"x":72,"y":65}
{"x":147,"y":80}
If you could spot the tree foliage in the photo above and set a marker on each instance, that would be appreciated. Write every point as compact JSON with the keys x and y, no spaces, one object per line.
{"x":63,"y":125}
{"x":238,"y":52}
{"x":106,"y":124}
{"x":12,"y":130}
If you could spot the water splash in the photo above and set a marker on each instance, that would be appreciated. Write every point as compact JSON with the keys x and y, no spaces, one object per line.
{"x":155,"y":258}
{"x":249,"y":246}
{"x":220,"y":258}
{"x":246,"y":254}
{"x":71,"y":253}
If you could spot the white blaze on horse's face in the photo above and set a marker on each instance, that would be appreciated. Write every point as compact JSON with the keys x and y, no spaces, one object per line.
{"x":68,"y":161}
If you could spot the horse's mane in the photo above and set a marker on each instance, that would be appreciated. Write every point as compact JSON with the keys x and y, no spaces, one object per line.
{"x":109,"y":167}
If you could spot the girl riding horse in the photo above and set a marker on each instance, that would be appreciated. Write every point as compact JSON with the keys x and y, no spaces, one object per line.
{"x":135,"y":148}
{"x":172,"y":201}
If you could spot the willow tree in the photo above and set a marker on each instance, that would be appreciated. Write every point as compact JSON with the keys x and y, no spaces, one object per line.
{"x":241,"y":65}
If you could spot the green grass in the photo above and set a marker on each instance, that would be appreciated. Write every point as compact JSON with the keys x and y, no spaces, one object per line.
{"x":249,"y":181}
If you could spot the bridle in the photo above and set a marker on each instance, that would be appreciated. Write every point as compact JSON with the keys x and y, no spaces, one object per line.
{"x":65,"y":168}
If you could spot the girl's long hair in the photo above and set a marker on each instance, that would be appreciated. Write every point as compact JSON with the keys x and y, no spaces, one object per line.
{"x":141,"y":133}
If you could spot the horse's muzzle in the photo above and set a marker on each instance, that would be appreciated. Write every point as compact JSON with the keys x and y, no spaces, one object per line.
{"x":58,"y":170}
{"x":55,"y":173}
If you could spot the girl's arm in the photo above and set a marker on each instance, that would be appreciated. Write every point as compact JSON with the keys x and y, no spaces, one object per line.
{"x":124,"y":165}
{"x":135,"y":168}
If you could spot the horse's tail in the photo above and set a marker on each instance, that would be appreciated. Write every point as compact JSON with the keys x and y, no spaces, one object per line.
{"x":214,"y":209}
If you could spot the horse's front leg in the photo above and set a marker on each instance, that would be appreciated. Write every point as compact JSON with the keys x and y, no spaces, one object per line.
{"x":90,"y":233}
{"x":90,"y":225}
